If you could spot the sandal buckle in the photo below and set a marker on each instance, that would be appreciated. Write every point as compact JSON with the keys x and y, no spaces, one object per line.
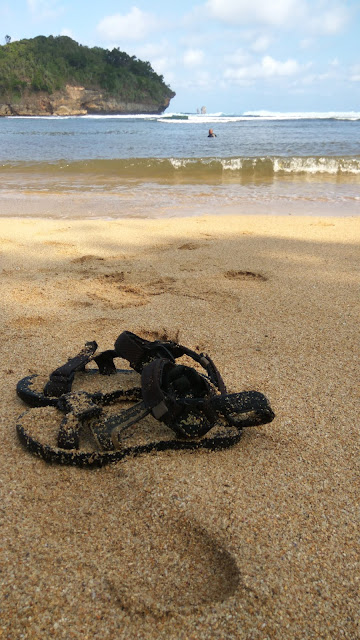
{"x":162,"y":351}
{"x":160,"y":410}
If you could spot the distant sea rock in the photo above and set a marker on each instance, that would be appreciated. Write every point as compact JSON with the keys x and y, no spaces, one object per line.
{"x":76,"y":101}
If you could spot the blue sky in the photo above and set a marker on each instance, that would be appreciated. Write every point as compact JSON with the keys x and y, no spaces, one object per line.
{"x":231,"y":56}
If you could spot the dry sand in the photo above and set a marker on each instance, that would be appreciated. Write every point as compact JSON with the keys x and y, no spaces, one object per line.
{"x":260,"y":541}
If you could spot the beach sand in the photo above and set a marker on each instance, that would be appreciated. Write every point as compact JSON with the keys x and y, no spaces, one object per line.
{"x":259,"y":541}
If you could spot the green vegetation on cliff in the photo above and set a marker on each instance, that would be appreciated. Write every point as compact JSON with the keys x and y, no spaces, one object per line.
{"x":50,"y":63}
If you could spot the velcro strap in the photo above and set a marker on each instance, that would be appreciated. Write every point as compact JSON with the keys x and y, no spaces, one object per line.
{"x":179,"y":396}
{"x":61,"y":379}
{"x":153,"y":395}
{"x":130,"y":347}
{"x":138,"y":351}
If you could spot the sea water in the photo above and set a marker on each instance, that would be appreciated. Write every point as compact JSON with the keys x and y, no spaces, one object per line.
{"x":151,"y":166}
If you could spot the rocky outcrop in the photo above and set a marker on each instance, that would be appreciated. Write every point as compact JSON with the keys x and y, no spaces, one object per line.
{"x":76,"y":101}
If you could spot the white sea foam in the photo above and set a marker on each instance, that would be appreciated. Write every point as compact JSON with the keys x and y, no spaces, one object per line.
{"x":306,"y":165}
{"x":179,"y":163}
{"x":273,"y":165}
{"x":212,"y":118}
{"x":301,"y":115}
{"x":232,"y":164}
{"x":314,"y":166}
{"x":119,"y":116}
{"x":91,"y":116}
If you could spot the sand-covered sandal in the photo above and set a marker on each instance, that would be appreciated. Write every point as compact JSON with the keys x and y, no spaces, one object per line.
{"x":139,"y":352}
{"x":178,"y":397}
{"x":37,"y":392}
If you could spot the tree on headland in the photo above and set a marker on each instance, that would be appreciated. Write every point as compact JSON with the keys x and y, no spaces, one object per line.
{"x":49,"y":64}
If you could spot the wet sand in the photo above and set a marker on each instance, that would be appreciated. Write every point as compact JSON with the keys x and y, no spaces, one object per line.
{"x":256,"y":542}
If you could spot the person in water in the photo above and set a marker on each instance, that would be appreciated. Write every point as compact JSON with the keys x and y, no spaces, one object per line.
{"x":211,"y":134}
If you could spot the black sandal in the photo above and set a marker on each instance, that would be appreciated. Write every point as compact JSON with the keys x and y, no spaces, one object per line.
{"x":128,"y":346}
{"x":186,"y":401}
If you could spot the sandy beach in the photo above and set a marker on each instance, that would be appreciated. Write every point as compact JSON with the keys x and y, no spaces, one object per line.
{"x":256,"y":542}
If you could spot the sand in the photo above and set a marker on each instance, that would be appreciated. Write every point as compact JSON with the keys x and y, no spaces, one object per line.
{"x":260,"y":541}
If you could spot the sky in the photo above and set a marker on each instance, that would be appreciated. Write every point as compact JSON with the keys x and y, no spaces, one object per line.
{"x":231,"y":56}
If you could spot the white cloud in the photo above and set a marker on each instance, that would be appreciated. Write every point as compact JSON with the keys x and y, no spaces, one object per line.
{"x":307,"y":43}
{"x":205,"y":80}
{"x":276,"y":13}
{"x":193,"y":57}
{"x":330,"y":22}
{"x":67,"y":32}
{"x":314,"y":78}
{"x":271,"y":67}
{"x":268,"y":67}
{"x":355,"y":73}
{"x":316,"y":16}
{"x":239,"y":58}
{"x":153,"y":50}
{"x":261,"y":44}
{"x":134,"y":25}
{"x":44,"y":9}
{"x":163,"y":66}
{"x":201,"y":80}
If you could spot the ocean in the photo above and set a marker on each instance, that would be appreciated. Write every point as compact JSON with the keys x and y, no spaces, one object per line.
{"x":162,"y":166}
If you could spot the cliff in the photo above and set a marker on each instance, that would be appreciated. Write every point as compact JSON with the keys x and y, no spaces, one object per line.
{"x":75,"y":101}
{"x":58,"y":76}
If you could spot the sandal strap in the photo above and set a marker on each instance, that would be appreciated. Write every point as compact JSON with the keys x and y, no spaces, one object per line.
{"x":179,"y":396}
{"x":107,"y":433}
{"x":139,"y":352}
{"x":244,"y":409}
{"x":78,"y":407}
{"x":97,"y":459}
{"x":193,"y":414}
{"x":60,"y":380}
{"x":105,"y":362}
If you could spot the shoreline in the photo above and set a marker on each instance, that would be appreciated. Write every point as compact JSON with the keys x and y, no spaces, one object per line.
{"x":252,"y":542}
{"x":163,"y":204}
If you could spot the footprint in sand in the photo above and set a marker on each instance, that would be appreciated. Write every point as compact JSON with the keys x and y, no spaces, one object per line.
{"x":29,"y":322}
{"x":119,"y":288}
{"x":60,"y":245}
{"x":190,"y":246}
{"x":113,"y":278}
{"x":161,"y":285}
{"x":322,"y":223}
{"x":244,"y":275}
{"x":78,"y":304}
{"x":176,"y":569}
{"x":87,"y":259}
{"x":124,"y":296}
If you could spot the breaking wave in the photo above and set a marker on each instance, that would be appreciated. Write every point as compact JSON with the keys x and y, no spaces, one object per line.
{"x":219,"y":117}
{"x":203,"y":170}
